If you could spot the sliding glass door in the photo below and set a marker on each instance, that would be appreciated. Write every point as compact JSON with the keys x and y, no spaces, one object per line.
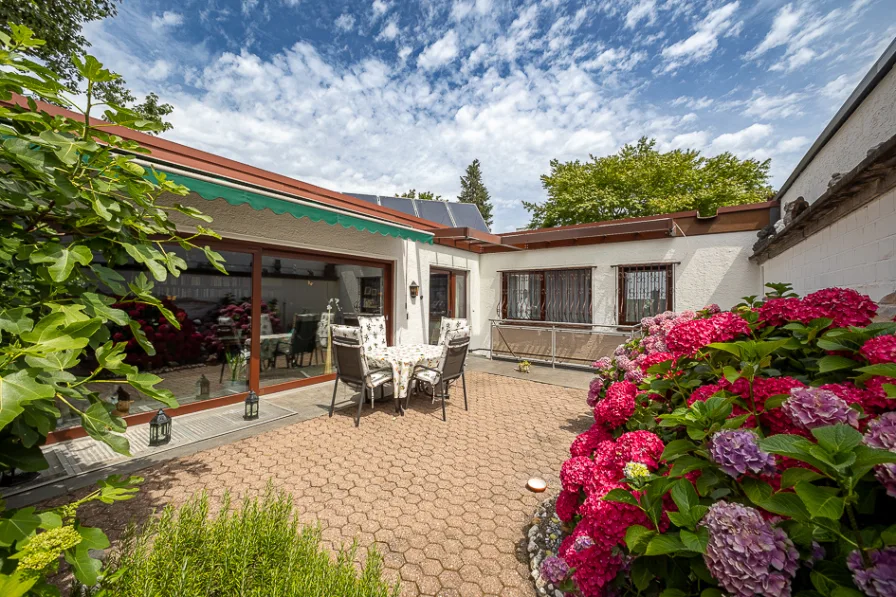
{"x":447,"y":298}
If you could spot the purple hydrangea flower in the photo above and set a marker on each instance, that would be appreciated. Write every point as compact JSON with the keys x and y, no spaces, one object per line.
{"x":736,"y":451}
{"x":594,"y":389}
{"x":880,"y":579}
{"x":881,"y":434}
{"x":816,"y":555}
{"x":746,"y":554}
{"x":623,"y":362}
{"x":554,"y":570}
{"x":814,"y":407}
{"x":635,"y":376}
{"x":602,"y":363}
{"x":582,"y":542}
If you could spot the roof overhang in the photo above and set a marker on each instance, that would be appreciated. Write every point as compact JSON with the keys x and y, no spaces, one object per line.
{"x":470,"y":239}
{"x":874,"y":175}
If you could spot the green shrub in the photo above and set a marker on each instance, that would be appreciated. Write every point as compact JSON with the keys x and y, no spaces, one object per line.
{"x":260,"y":549}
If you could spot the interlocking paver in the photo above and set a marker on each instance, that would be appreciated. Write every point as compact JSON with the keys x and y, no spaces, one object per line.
{"x":444,"y":502}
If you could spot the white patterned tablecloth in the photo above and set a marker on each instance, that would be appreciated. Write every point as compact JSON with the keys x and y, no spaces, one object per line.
{"x":403,"y":359}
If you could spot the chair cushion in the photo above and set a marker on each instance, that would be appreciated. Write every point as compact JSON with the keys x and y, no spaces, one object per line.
{"x":346,"y":331}
{"x":430,"y":377}
{"x":373,"y":332}
{"x":378,"y":378}
{"x":452,"y":325}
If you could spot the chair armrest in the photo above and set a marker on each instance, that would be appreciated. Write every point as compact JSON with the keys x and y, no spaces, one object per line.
{"x":372,"y":371}
{"x":426,"y":369}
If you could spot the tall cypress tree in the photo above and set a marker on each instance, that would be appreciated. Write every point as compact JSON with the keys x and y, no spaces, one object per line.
{"x":472,"y":190}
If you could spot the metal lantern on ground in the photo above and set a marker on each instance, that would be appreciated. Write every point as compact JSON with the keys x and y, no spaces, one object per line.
{"x":203,"y":387}
{"x":251,"y":406}
{"x":160,"y":429}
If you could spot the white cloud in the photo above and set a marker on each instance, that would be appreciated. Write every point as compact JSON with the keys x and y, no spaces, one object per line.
{"x":621,"y":59}
{"x":699,"y":46}
{"x":390,"y":31}
{"x":692,"y":140}
{"x":460,"y":9}
{"x":792,"y":144}
{"x":159,"y":70}
{"x":166,"y":19}
{"x":774,"y":106}
{"x":840,"y":88}
{"x":345,"y":22}
{"x":380,"y":7}
{"x":693,"y":103}
{"x":783,"y":28}
{"x":643,"y":10}
{"x":439,"y":53}
{"x":743,"y":141}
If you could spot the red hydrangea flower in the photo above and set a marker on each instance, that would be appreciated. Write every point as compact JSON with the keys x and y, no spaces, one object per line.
{"x":779,"y":311}
{"x":879,"y":350}
{"x":686,"y":338}
{"x":654,"y":359}
{"x":567,"y":504}
{"x":640,"y":446}
{"x":575,"y":472}
{"x":728,"y":326}
{"x":586,"y":443}
{"x":876,"y":400}
{"x":844,"y":305}
{"x":618,"y":405}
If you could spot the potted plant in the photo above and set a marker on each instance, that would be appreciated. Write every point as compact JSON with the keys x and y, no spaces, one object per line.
{"x":523,"y":366}
{"x":236,"y":361}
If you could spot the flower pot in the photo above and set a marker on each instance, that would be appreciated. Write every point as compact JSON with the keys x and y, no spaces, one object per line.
{"x":123,"y":407}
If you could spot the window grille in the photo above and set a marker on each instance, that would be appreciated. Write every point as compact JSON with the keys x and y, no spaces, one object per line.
{"x":644,"y":291}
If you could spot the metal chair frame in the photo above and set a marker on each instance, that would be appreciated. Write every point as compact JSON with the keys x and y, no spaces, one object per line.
{"x":360,"y":379}
{"x":454,"y":361}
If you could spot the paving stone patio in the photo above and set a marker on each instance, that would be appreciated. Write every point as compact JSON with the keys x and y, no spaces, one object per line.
{"x":445,"y":503}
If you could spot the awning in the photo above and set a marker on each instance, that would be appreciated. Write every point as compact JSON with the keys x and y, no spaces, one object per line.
{"x":238,"y":195}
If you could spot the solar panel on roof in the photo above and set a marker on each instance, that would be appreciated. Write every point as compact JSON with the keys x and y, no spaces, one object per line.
{"x":399,"y":203}
{"x":467,"y":215}
{"x":368,"y":198}
{"x":435,"y":211}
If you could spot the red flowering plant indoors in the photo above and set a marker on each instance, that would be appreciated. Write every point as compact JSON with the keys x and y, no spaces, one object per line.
{"x":174,"y":344}
{"x":743,"y":452}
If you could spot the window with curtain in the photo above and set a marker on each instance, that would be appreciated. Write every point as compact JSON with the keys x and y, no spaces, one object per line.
{"x":548,"y":295}
{"x":644,"y":291}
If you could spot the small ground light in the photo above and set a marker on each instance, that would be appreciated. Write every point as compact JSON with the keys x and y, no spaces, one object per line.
{"x":160,"y":429}
{"x":251,"y":406}
{"x":536,"y":484}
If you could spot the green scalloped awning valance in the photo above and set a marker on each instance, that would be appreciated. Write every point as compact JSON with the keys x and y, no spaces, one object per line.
{"x":211,"y":191}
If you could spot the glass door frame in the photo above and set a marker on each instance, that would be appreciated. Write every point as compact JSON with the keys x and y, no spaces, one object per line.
{"x":452,"y":292}
{"x":259,"y":250}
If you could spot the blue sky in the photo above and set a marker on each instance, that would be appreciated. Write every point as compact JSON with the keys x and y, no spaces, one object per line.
{"x":381,"y":96}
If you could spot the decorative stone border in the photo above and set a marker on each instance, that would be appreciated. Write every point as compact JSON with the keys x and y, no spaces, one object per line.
{"x":544,"y":537}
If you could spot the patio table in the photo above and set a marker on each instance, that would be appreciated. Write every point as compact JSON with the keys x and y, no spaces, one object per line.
{"x":403,"y":359}
{"x":271,"y":345}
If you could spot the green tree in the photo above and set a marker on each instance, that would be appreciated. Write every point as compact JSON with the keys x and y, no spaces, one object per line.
{"x":74,"y":204}
{"x":472,"y":190}
{"x":423,"y":195}
{"x":641,"y":181}
{"x":58,"y":23}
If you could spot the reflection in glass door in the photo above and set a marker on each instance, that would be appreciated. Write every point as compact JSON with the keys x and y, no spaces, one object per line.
{"x":447,"y":298}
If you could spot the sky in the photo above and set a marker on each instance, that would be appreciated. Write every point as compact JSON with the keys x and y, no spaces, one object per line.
{"x":386,"y":95}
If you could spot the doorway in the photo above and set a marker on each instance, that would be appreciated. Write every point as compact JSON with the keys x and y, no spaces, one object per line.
{"x":447,"y":298}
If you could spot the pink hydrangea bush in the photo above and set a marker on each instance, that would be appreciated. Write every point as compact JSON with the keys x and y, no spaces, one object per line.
{"x":755,"y":445}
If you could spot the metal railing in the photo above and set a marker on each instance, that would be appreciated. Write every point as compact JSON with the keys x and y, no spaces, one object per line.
{"x":556,"y":343}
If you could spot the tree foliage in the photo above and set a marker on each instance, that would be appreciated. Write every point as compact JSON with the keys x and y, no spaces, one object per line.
{"x":422,"y":195}
{"x":642,"y":181}
{"x":74,"y":204}
{"x":472,"y":190}
{"x":58,"y":23}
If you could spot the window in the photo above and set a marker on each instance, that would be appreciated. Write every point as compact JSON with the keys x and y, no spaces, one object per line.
{"x":550,"y":295}
{"x":644,"y":291}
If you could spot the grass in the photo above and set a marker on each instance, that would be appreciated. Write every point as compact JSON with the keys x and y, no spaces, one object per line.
{"x":259,"y":549}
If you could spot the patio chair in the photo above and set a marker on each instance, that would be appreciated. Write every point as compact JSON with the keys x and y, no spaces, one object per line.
{"x":231,"y":344}
{"x":352,"y":368}
{"x":451,"y":368}
{"x":452,"y":325}
{"x":303,"y":340}
{"x":373,"y":332}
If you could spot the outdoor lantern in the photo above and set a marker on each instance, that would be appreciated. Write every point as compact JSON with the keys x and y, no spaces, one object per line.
{"x":203,"y":387}
{"x":415,"y":290}
{"x":251,"y":406}
{"x":160,"y":429}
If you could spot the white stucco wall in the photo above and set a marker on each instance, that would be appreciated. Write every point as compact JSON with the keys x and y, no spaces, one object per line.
{"x":873,"y":122}
{"x":858,"y":251}
{"x":713,"y":268}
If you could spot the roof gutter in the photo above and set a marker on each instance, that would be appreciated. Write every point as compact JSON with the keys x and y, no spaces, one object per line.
{"x":881,"y":67}
{"x":164,"y":167}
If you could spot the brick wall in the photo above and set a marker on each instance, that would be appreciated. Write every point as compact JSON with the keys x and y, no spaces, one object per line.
{"x":858,"y":251}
